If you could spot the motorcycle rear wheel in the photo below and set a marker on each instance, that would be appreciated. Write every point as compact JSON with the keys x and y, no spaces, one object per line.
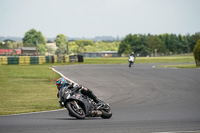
{"x":106,"y":113}
{"x":74,"y":111}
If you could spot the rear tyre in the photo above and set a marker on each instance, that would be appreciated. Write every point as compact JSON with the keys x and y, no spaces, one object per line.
{"x":106,"y":113}
{"x":75,"y":111}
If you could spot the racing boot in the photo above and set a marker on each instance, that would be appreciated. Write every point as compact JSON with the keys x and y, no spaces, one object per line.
{"x":99,"y":104}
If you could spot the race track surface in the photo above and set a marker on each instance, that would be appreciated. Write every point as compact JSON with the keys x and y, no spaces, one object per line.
{"x":143,"y":99}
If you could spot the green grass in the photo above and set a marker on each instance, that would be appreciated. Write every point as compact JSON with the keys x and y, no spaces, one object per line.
{"x":123,"y":60}
{"x":167,"y":59}
{"x":32,"y":88}
{"x":179,"y":66}
{"x":27,"y":89}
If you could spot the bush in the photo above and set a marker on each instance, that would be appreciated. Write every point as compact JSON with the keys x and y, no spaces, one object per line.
{"x":196,"y":53}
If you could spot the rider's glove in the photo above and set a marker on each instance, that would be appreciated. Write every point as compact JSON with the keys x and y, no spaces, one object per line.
{"x":70,"y":85}
{"x":75,"y":85}
{"x":62,"y":104}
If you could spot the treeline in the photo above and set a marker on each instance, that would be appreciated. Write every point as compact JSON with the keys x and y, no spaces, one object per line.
{"x":35,"y":38}
{"x":158,"y":44}
{"x":139,"y":44}
{"x":10,"y":44}
{"x":81,"y":46}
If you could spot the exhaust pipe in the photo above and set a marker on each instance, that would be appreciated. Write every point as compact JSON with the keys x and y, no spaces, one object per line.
{"x":96,"y":113}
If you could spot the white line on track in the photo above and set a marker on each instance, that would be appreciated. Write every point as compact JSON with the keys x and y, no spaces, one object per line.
{"x":62,"y":75}
{"x":33,"y":112}
{"x":197,"y":131}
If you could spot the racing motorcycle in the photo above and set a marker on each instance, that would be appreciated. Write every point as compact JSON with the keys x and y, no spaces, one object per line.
{"x":81,"y":106}
{"x":131,"y":60}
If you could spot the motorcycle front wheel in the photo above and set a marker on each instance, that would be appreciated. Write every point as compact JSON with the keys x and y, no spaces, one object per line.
{"x":130,"y":63}
{"x":75,"y":110}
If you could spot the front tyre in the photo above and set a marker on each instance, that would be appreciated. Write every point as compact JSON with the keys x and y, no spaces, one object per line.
{"x":130,"y":63}
{"x":75,"y":110}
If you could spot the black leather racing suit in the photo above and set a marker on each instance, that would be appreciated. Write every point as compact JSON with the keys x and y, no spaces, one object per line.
{"x":84,"y":91}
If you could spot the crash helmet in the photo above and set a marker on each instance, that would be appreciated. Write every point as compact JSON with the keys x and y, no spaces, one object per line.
{"x":60,"y":83}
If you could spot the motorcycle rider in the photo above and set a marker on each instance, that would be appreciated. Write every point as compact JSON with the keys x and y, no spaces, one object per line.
{"x":62,"y":82}
{"x":131,"y":58}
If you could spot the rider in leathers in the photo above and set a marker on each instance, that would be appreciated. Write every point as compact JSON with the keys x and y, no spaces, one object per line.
{"x":61,"y":83}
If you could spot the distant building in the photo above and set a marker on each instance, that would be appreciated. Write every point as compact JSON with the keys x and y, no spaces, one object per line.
{"x":29,"y":51}
{"x":53,"y":46}
{"x":10,"y":51}
{"x":101,"y":54}
{"x":18,"y":51}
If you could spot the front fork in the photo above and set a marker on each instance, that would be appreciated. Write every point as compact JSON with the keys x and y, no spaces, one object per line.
{"x":76,"y":105}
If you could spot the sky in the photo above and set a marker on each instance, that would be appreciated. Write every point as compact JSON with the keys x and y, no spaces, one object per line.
{"x":90,"y":18}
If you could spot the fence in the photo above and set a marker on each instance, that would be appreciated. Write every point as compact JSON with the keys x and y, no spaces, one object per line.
{"x":76,"y":58}
{"x":27,"y":60}
{"x":101,"y":54}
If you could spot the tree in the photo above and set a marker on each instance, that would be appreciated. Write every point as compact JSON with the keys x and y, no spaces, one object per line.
{"x":173,"y":43}
{"x":42,"y":49}
{"x":103,"y":46}
{"x":10,"y":45}
{"x":155,"y":43}
{"x":128,"y":44}
{"x":3,"y":45}
{"x":33,"y":38}
{"x":193,"y":40}
{"x":50,"y":50}
{"x":142,"y":50}
{"x":82,"y":43}
{"x":73,"y":48}
{"x":8,"y":40}
{"x":136,"y":43}
{"x":166,"y":39}
{"x":124,"y":48}
{"x":49,"y":41}
{"x":142,"y":47}
{"x":196,"y":53}
{"x":61,"y":43}
{"x":183,"y":44}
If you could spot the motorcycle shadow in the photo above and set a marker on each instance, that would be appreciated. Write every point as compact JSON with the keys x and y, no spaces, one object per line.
{"x":73,"y":119}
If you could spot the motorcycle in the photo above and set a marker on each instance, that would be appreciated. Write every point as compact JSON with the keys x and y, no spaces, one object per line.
{"x":131,"y":60}
{"x":81,"y":106}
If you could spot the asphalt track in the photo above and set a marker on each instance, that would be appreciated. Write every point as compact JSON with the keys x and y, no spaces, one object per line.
{"x":143,"y":99}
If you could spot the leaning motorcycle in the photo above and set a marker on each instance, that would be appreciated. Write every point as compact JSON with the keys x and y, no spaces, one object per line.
{"x":81,"y":106}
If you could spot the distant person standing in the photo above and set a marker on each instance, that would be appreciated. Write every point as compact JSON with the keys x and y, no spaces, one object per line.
{"x":131,"y":59}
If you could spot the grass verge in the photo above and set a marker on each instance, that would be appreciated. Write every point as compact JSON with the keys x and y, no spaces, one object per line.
{"x":124,"y":60}
{"x":27,"y":89}
{"x":179,"y":66}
